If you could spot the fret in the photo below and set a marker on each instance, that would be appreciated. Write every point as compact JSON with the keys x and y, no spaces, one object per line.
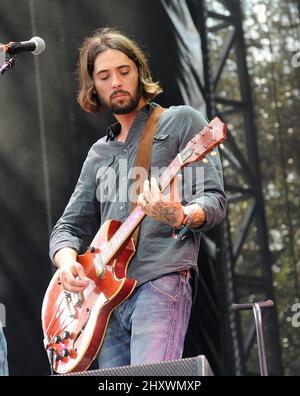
{"x":170,"y":172}
{"x":121,"y":233}
{"x":128,"y":224}
{"x":110,"y":250}
{"x":117,"y":239}
{"x":103,"y":256}
{"x":125,"y":230}
{"x":113,"y":243}
{"x":107,"y":253}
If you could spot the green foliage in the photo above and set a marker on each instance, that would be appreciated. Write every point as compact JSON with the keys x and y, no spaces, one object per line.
{"x":272,"y":33}
{"x":273,"y":38}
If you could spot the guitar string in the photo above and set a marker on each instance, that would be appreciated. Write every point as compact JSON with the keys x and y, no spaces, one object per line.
{"x":54,"y":315}
{"x":61,"y":312}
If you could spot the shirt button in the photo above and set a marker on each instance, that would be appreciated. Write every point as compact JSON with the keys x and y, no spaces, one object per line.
{"x":121,"y":207}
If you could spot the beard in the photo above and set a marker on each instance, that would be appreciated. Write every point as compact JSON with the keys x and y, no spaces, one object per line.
{"x":126,"y":104}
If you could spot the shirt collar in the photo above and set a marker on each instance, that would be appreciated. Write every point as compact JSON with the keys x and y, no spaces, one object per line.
{"x":114,"y":130}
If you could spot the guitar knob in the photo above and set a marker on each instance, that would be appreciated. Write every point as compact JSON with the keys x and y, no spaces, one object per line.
{"x":57,"y":339}
{"x":66,"y":335}
{"x":57,"y":357}
{"x":65,"y":352}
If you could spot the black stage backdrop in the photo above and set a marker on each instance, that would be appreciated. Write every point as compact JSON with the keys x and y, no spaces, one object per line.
{"x":44,"y":138}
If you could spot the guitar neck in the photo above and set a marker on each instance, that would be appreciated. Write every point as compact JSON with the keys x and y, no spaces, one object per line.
{"x":136,"y":216}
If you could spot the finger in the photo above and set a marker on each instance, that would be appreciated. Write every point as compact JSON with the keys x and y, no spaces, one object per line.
{"x":176,"y":189}
{"x":70,"y":283}
{"x":172,"y":193}
{"x":146,"y":187}
{"x":155,"y":191}
{"x":77,"y":283}
{"x":81,"y":274}
{"x":73,"y":289}
{"x":141,"y":200}
{"x":146,"y":192}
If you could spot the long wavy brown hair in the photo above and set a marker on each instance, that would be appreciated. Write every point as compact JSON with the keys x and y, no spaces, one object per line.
{"x":100,"y":41}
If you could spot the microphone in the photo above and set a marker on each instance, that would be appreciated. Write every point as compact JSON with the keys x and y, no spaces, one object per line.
{"x":36,"y":45}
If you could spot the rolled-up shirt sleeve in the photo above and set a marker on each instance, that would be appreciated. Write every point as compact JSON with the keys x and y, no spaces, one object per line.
{"x":213,"y":200}
{"x":207,"y":178}
{"x":81,"y":217}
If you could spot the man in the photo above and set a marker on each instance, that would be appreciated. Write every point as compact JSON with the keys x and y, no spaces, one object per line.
{"x":3,"y":354}
{"x":151,"y":325}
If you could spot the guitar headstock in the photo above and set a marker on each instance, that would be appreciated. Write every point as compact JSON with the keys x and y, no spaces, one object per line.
{"x":204,"y":142}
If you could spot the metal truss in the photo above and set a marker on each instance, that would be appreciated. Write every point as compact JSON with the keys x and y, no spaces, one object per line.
{"x":243,"y":262}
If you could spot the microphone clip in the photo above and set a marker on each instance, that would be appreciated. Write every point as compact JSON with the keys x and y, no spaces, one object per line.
{"x":8,"y":64}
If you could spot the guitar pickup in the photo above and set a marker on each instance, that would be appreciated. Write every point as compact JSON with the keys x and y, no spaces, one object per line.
{"x":99,"y":266}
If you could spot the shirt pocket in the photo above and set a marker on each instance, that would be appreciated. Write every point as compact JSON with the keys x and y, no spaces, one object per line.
{"x":161,"y":137}
{"x":164,"y":149}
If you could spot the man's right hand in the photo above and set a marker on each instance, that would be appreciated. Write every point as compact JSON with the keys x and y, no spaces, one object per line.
{"x":72,"y":275}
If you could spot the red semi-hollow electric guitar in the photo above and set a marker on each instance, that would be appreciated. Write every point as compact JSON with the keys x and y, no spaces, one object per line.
{"x":74,"y":324}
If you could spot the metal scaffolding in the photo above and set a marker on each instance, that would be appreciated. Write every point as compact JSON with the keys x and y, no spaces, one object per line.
{"x":244,"y":264}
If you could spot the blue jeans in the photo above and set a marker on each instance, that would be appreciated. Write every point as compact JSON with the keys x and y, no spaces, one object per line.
{"x":3,"y":354}
{"x":151,"y":325}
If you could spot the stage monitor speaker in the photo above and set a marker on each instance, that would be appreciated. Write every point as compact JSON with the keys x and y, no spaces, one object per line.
{"x":196,"y":366}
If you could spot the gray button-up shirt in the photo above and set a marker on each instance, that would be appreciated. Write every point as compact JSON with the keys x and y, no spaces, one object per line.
{"x":101,"y":194}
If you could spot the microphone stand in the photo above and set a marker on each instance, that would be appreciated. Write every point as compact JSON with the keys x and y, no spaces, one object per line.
{"x":259,"y":329}
{"x":8,"y":64}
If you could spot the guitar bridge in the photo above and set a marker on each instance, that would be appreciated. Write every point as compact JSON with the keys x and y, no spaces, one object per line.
{"x":77,"y":299}
{"x":69,"y":304}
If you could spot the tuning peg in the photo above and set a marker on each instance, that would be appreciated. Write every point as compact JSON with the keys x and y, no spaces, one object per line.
{"x":222,"y":146}
{"x":205,"y":161}
{"x":213,"y":153}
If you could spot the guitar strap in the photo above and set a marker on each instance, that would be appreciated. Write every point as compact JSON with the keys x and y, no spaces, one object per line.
{"x":143,"y":156}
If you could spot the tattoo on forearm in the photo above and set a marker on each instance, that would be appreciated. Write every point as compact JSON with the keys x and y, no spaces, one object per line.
{"x":167,"y":213}
{"x":172,"y":213}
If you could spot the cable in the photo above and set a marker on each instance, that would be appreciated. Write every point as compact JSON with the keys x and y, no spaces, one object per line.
{"x":42,"y":127}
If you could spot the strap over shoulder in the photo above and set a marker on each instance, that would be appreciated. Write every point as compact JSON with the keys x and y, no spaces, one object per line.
{"x":144,"y":152}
